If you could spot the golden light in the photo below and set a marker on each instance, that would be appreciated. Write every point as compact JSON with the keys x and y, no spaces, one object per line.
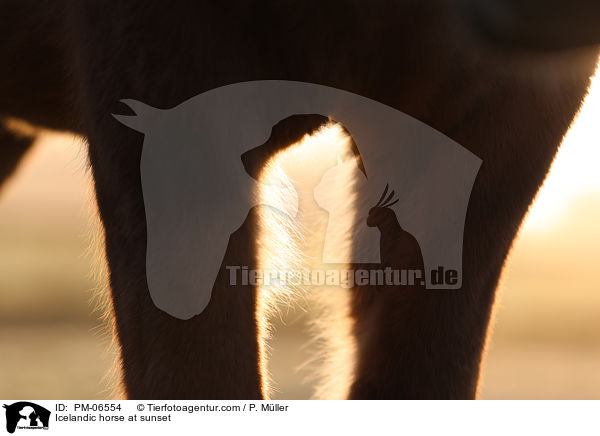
{"x":575,"y":168}
{"x":303,"y":186}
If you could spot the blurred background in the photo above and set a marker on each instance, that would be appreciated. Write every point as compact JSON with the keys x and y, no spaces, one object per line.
{"x":545,"y":341}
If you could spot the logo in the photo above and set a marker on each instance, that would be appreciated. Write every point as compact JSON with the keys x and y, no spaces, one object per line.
{"x":201,"y":168}
{"x":24,"y":415}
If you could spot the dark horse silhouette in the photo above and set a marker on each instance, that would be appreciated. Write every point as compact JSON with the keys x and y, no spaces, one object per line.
{"x":68,"y":63}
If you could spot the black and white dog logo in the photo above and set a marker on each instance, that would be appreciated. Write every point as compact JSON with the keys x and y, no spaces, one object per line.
{"x":26,"y":415}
